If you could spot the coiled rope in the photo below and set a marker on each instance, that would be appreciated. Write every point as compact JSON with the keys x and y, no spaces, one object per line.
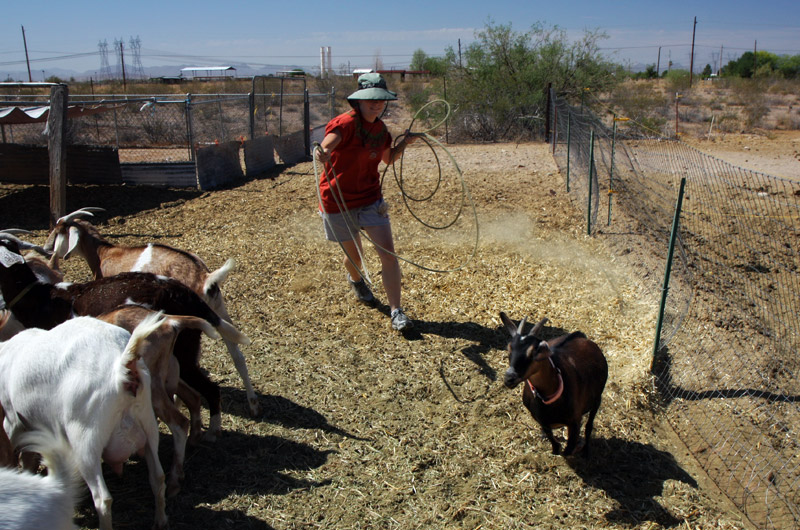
{"x":408,"y":199}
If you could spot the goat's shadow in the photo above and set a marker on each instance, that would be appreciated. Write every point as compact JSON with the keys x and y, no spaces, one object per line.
{"x":483,"y":339}
{"x":281,"y":411}
{"x":633,"y":474}
{"x":668,"y":390}
{"x":235,"y":463}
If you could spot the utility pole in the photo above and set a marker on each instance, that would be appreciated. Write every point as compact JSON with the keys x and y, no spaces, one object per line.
{"x":691,"y":61}
{"x":459,"y":53}
{"x":755,"y":57}
{"x":658,"y":63}
{"x":122,"y":60}
{"x":25,"y":42}
{"x":719,"y":70}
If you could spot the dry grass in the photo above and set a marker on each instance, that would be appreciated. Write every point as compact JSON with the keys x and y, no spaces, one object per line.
{"x":368,"y":428}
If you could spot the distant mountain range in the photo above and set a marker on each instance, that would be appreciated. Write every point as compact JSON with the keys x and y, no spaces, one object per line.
{"x":242,"y":70}
{"x":38,"y":75}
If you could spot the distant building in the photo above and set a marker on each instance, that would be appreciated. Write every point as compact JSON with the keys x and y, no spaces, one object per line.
{"x":209,"y":72}
{"x":358,"y":71}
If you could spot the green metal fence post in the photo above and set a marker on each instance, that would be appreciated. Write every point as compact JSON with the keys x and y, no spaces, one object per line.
{"x":668,"y":270}
{"x":591,"y":170}
{"x":569,"y":139}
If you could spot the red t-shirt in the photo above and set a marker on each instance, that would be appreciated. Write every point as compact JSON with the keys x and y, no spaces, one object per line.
{"x":355,"y":162}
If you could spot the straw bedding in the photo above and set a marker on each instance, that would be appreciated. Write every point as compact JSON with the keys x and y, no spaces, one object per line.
{"x":364,"y":427}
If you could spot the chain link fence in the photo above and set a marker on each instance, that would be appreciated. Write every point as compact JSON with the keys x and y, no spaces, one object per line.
{"x":167,"y":128}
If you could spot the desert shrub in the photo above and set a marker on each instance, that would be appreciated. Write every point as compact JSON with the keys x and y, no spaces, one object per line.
{"x":787,"y":121}
{"x":677,"y":80}
{"x":729,"y":123}
{"x":646,"y":107}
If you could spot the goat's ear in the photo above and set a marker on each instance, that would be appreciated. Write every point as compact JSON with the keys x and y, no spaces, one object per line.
{"x":74,"y":239}
{"x":9,"y":257}
{"x":61,"y":244}
{"x":510,"y":327}
{"x":543,"y":351}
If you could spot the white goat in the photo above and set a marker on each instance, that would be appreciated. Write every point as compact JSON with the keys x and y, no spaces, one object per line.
{"x":92,"y":385}
{"x":37,"y":502}
{"x":74,"y":236}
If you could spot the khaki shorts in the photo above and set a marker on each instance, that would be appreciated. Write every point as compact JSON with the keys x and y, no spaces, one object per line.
{"x":343,"y":226}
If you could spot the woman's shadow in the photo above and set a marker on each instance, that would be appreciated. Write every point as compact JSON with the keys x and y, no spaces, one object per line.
{"x":633,"y":474}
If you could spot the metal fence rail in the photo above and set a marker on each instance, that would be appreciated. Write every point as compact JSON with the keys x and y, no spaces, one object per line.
{"x":169,"y":127}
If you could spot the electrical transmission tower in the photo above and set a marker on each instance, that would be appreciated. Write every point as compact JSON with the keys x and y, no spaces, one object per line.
{"x":105,"y":69}
{"x":118,"y":44}
{"x":135,"y":49}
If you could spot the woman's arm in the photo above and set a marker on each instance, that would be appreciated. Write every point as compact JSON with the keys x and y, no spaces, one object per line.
{"x":328,"y":144}
{"x":393,"y":153}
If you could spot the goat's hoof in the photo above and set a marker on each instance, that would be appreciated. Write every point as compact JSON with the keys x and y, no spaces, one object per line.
{"x":210,"y":436}
{"x":173,"y":490}
{"x":255,"y":408}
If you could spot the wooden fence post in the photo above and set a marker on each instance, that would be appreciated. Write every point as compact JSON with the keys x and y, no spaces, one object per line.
{"x":57,"y":150}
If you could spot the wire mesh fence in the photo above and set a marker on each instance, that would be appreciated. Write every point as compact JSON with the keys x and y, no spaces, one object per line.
{"x":726,"y":362}
{"x":169,"y":128}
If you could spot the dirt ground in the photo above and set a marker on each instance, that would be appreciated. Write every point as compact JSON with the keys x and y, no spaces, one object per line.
{"x":775,"y":153}
{"x":365,"y":427}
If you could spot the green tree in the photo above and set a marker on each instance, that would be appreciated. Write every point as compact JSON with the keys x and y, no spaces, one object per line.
{"x":501,"y":89}
{"x":707,"y":71}
{"x":418,"y":60}
{"x":761,"y":64}
{"x":789,"y":66}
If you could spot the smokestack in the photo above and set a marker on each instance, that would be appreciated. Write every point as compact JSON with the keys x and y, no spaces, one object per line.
{"x":330,"y":64}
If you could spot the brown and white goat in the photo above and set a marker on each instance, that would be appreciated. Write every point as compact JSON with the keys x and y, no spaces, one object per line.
{"x":38,"y":305}
{"x":165,"y":377}
{"x":564,"y":379}
{"x":74,"y":236}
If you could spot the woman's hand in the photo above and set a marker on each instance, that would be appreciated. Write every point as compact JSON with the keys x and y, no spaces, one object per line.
{"x":322,"y":154}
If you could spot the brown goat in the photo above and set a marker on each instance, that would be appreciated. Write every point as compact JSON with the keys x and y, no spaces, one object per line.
{"x":165,"y":377}
{"x":564,"y":377}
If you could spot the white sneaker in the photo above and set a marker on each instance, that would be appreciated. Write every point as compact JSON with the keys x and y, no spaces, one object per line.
{"x":400,"y":321}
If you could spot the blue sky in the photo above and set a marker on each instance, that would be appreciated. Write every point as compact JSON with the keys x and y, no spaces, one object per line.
{"x":65,"y":35}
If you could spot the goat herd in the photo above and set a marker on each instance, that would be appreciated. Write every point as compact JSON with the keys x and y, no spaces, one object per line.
{"x":87,"y":369}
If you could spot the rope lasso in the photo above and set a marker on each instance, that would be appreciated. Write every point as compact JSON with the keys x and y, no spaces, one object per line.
{"x":431,"y":142}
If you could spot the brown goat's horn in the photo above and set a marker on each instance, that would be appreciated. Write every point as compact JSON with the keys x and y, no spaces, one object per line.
{"x":538,"y":327}
{"x":88,"y":210}
{"x":521,"y":325}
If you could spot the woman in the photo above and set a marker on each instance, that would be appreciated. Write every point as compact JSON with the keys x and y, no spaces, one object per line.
{"x":350,"y":189}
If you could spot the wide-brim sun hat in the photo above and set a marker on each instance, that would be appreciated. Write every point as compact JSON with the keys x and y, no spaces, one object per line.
{"x":372,"y":86}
